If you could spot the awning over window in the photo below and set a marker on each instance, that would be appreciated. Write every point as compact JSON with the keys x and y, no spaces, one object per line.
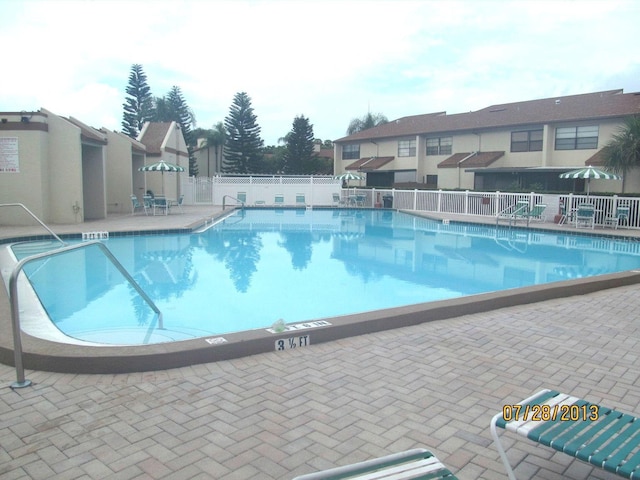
{"x":596,"y":160}
{"x":369,"y":163}
{"x":470,"y":159}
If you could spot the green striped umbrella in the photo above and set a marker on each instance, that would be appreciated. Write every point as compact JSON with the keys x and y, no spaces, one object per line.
{"x":161,"y":166}
{"x":588,"y":173}
{"x":348,"y":176}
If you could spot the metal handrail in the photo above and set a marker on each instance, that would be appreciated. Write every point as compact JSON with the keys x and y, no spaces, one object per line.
{"x":35,"y":218}
{"x":233,"y":198}
{"x":13,"y":298}
{"x":512,"y":212}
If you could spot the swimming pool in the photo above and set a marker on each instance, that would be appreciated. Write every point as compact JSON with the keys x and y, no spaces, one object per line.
{"x":260,"y":266}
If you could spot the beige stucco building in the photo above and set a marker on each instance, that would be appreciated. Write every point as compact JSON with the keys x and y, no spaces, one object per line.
{"x":65,"y":171}
{"x":517,"y":145}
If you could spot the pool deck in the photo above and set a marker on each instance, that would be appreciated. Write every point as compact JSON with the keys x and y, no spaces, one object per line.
{"x":276,"y":415}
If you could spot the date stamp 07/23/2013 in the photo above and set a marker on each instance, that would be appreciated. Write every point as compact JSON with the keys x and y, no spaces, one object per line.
{"x":545,"y":413}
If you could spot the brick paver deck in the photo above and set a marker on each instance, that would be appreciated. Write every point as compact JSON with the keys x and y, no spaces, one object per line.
{"x":281,"y":414}
{"x":276,"y":415}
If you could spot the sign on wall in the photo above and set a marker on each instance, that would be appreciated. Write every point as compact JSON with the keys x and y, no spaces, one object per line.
{"x":9,"y":159}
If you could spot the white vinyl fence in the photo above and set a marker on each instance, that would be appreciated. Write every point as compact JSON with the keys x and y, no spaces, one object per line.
{"x":319,"y":191}
{"x":252,"y":190}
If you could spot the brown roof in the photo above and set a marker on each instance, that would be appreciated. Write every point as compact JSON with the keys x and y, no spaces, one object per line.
{"x":369,"y":163}
{"x":470,"y":159}
{"x":607,"y":104}
{"x":597,"y":159}
{"x":154,"y":135}
{"x":326,"y":153}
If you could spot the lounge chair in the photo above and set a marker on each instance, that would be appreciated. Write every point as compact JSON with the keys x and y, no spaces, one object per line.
{"x":135,"y":204}
{"x":278,"y":200}
{"x":585,"y":215}
{"x":417,"y":463}
{"x":603,"y":437}
{"x":621,"y":216}
{"x":514,"y":212}
{"x":536,"y":213}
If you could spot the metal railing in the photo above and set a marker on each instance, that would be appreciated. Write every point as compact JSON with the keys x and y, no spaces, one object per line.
{"x":232,"y":198}
{"x":35,"y":218}
{"x":13,"y":298}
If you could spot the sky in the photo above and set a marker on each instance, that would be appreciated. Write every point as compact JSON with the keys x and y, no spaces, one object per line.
{"x":329,"y":60}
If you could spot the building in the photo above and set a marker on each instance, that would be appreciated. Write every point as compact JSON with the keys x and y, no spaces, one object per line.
{"x":65,"y":171}
{"x":523,"y":145}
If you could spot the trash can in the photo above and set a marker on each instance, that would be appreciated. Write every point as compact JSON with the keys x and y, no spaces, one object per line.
{"x":387,"y":201}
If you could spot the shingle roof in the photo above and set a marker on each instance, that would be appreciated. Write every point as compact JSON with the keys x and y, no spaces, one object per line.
{"x":470,"y":159}
{"x":369,"y":163}
{"x":326,"y":153}
{"x":153,"y":137}
{"x":606,"y":104}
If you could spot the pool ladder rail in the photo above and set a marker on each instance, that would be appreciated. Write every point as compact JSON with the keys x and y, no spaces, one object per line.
{"x":237,"y":200}
{"x":15,"y":311}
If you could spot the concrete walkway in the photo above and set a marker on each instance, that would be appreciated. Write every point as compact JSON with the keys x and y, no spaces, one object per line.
{"x":281,"y":414}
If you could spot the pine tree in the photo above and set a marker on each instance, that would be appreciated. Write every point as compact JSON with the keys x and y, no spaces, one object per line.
{"x":138,"y":106}
{"x":174,"y":108}
{"x":243,"y":146}
{"x":299,"y":154}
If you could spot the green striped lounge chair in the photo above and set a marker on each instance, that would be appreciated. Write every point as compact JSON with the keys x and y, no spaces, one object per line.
{"x":412,"y":464}
{"x":600,"y":436}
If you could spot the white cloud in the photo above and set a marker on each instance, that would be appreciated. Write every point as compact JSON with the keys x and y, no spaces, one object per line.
{"x":328,"y":60}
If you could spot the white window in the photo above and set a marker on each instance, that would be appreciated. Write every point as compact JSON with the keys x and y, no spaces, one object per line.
{"x":351,"y":152}
{"x":407,"y":148}
{"x":577,"y":138}
{"x":439,"y":146}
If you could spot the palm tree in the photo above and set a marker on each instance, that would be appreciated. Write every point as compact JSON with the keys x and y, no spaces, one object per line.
{"x":215,"y":139}
{"x":370,"y":120}
{"x":622,"y":153}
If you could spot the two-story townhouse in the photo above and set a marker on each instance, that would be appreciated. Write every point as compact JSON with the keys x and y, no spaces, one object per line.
{"x":521,"y":144}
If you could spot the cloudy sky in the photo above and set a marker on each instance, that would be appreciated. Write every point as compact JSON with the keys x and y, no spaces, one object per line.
{"x":329,"y":60}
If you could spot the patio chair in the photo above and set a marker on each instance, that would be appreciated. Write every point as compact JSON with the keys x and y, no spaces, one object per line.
{"x":600,"y":436}
{"x":241,"y":197}
{"x":621,"y":216}
{"x":177,"y":203}
{"x":416,"y":463}
{"x":135,"y":204}
{"x":278,"y":200}
{"x":300,"y":200}
{"x":360,"y":199}
{"x":337,"y":200}
{"x":585,"y":215}
{"x":147,"y":200}
{"x":160,"y":204}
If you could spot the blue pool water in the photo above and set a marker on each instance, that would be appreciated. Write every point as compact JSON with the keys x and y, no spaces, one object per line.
{"x":259,"y":266}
